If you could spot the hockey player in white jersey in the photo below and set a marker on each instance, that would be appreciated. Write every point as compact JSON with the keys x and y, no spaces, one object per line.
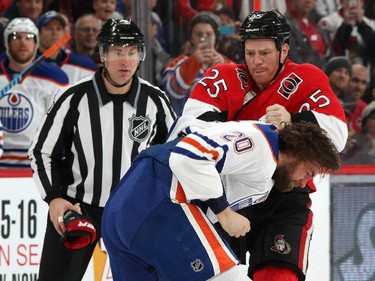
{"x":154,"y":224}
{"x":23,"y":107}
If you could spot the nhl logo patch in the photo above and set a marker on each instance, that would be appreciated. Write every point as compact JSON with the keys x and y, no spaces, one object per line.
{"x":280,"y":245}
{"x":139,"y":128}
{"x":197,"y":265}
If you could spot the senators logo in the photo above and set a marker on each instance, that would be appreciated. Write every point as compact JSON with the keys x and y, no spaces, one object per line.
{"x":289,"y":85}
{"x":280,"y":245}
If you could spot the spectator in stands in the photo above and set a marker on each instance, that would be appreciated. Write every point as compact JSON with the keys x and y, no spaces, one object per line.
{"x":369,"y":95}
{"x":4,"y":4}
{"x":51,"y":27}
{"x":339,"y":71}
{"x":325,"y":7}
{"x":106,"y":9}
{"x":184,"y":72}
{"x":124,"y":7}
{"x":229,"y":43}
{"x":308,"y":43}
{"x":280,"y":5}
{"x":160,"y":57}
{"x":68,"y":30}
{"x":186,"y":10}
{"x":86,"y":29}
{"x":352,"y":34}
{"x":25,"y":104}
{"x":31,"y":9}
{"x":361,"y":148}
{"x":352,"y":97}
{"x":158,"y":24}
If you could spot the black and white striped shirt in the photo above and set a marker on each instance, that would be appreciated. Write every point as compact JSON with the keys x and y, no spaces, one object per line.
{"x":89,"y":138}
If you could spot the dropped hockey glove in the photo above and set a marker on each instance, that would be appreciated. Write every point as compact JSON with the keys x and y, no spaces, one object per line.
{"x":80,"y":232}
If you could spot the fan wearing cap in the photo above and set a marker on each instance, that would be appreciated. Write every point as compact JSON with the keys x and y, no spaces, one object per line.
{"x":270,"y":87}
{"x":17,"y":9}
{"x":181,"y":74}
{"x":51,"y":27}
{"x":87,"y":143}
{"x":339,"y":71}
{"x":24,"y":105}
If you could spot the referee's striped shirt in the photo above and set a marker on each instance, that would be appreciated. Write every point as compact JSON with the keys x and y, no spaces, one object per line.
{"x":89,"y":138}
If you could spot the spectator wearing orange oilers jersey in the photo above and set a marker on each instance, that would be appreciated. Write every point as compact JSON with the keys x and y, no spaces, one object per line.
{"x":182,"y":73}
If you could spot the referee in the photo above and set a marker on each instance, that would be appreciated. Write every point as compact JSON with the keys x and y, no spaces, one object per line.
{"x":88,"y":140}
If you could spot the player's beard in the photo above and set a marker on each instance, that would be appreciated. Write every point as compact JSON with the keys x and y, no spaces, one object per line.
{"x":282,"y":179}
{"x":21,"y":59}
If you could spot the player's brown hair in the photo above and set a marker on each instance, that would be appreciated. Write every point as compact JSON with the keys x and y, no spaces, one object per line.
{"x":307,"y":142}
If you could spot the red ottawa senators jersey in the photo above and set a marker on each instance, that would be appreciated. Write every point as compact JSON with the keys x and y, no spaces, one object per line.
{"x":229,"y":90}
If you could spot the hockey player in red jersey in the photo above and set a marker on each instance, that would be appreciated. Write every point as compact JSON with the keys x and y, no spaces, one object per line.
{"x":271,"y":88}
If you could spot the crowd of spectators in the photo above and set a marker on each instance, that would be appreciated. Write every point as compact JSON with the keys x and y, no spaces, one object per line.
{"x":337,"y":36}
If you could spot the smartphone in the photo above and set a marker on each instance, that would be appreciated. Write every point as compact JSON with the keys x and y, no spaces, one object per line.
{"x":227,"y":30}
{"x":207,"y":40}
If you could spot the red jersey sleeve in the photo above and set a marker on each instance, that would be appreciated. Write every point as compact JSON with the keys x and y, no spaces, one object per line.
{"x":220,"y":90}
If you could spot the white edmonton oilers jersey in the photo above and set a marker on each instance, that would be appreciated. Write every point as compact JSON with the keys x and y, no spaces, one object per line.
{"x":78,"y":67}
{"x":243,"y":157}
{"x":23,"y":107}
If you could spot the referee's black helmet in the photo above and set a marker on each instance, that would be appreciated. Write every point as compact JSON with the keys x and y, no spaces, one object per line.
{"x":121,"y":32}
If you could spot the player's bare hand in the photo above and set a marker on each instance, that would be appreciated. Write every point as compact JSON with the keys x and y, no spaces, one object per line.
{"x":57,"y":208}
{"x":233,"y":223}
{"x":277,"y":115}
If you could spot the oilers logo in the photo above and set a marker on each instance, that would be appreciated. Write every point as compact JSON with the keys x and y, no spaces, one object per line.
{"x":16,"y":112}
{"x":139,"y":128}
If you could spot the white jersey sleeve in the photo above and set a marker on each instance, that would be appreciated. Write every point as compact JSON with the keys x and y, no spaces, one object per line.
{"x":242,"y":155}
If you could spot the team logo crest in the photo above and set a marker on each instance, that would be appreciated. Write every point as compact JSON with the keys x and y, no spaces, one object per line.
{"x":280,"y":245}
{"x":139,"y":128}
{"x":289,"y":85}
{"x":197,"y":265}
{"x":16,"y":112}
{"x":242,"y":77}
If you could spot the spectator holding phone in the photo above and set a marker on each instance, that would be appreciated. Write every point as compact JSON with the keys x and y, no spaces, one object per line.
{"x":229,"y":43}
{"x":351,"y":32}
{"x":182,"y":73}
